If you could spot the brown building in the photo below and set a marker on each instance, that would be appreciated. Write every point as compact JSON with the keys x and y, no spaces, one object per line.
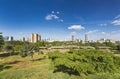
{"x":35,"y":38}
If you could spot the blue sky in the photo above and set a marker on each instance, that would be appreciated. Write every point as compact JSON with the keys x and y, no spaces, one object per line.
{"x":59,"y":19}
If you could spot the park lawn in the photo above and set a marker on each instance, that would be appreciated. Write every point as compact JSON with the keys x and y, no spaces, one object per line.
{"x":15,"y":67}
{"x":117,"y":55}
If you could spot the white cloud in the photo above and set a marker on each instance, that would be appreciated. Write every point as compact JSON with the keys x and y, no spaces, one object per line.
{"x":54,"y":15}
{"x":61,"y":20}
{"x":76,"y":27}
{"x":103,"y":24}
{"x":92,"y":31}
{"x":116,"y":31}
{"x":51,"y":17}
{"x":116,"y":22}
{"x":117,"y":17}
{"x":58,"y":12}
{"x":53,"y":12}
{"x":103,"y":33}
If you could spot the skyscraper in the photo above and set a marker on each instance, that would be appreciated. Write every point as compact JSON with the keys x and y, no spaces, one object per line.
{"x":35,"y":38}
{"x":86,"y":38}
{"x":11,"y":38}
{"x":72,"y":37}
{"x":6,"y":38}
{"x":23,"y":39}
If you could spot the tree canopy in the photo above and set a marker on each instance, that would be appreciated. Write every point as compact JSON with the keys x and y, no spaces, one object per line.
{"x":85,"y":61}
{"x":1,"y":40}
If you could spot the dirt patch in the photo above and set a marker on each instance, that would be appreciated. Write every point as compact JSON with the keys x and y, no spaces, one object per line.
{"x":16,"y":64}
{"x":21,"y":65}
{"x":8,"y":60}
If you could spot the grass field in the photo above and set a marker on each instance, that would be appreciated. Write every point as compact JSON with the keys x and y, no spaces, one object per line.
{"x":15,"y":67}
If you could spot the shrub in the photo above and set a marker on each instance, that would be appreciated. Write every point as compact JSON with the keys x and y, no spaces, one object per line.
{"x":85,"y":61}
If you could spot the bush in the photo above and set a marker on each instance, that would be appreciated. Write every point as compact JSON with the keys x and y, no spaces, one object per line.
{"x":27,"y":50}
{"x":84,"y":61}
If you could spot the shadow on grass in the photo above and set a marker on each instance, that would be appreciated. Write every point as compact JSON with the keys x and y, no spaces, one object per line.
{"x":64,"y":69}
{"x":2,"y":67}
{"x":39,"y":59}
{"x":6,"y":65}
{"x":13,"y":62}
{"x":8,"y":54}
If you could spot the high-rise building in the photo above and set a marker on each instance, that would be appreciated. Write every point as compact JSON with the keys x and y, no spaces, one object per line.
{"x":86,"y":38}
{"x":6,"y":38}
{"x":11,"y":38}
{"x":35,"y":38}
{"x":23,"y":39}
{"x":72,"y":37}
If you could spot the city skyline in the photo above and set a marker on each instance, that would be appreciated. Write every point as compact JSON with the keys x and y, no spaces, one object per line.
{"x":59,"y":19}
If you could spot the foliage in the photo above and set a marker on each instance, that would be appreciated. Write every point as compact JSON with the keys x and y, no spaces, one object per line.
{"x":14,"y":43}
{"x":1,"y":41}
{"x":85,"y":61}
{"x":9,"y":49}
{"x":112,"y":45}
{"x":15,"y":67}
{"x":67,"y":43}
{"x":118,"y":47}
{"x":17,"y":47}
{"x":27,"y":50}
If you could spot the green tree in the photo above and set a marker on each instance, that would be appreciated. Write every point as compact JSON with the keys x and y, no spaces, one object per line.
{"x":112,"y":45}
{"x":28,"y":50}
{"x":118,"y":47}
{"x":17,"y":48}
{"x":1,"y":41}
{"x":9,"y":49}
{"x":85,"y":61}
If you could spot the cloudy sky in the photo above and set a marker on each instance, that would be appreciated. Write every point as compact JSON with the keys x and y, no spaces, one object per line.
{"x":59,"y":19}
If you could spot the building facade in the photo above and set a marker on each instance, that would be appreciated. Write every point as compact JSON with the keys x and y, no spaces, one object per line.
{"x":86,"y":38}
{"x":35,"y":38}
{"x":72,"y":37}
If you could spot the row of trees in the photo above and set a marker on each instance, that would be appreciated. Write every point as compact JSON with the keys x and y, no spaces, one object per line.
{"x":96,"y":44}
{"x":85,"y":61}
{"x":22,"y":48}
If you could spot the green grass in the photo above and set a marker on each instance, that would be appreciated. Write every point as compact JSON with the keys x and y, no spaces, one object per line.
{"x":15,"y":67}
{"x":117,"y":55}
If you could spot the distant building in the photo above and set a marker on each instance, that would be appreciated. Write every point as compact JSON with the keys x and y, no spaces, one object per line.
{"x":28,"y":40}
{"x":72,"y":37}
{"x":86,"y":38}
{"x":101,"y":40}
{"x":92,"y":41}
{"x":110,"y":40}
{"x":23,"y":39}
{"x":35,"y":38}
{"x":6,"y":38}
{"x":77,"y":40}
{"x":11,"y":38}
